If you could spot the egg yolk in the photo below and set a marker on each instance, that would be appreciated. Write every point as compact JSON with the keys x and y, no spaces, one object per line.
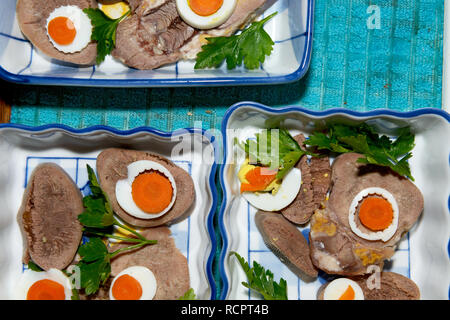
{"x":349,"y":294}
{"x":376,"y":213}
{"x":46,"y":290}
{"x":152,"y":192}
{"x":126,"y":288}
{"x":62,"y":30}
{"x":258,"y":179}
{"x":205,"y":7}
{"x":115,"y":10}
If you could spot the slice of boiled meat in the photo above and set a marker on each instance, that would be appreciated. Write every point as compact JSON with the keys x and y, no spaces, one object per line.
{"x":168,"y":264}
{"x":32,"y":17}
{"x":286,"y":242}
{"x":155,"y":35}
{"x":48,"y":218}
{"x":112,"y":166}
{"x":391,"y":286}
{"x":335,"y":248}
{"x":316,"y":181}
{"x":152,"y":39}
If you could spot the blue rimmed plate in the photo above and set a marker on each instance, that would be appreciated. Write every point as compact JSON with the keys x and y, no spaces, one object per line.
{"x":422,"y":254}
{"x":22,"y":148}
{"x":291,"y":29}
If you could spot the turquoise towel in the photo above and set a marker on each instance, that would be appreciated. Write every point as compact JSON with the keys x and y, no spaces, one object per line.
{"x":396,"y":66}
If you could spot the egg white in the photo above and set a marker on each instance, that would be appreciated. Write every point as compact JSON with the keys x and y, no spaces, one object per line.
{"x":82,"y":25}
{"x":290,"y":186}
{"x":29,"y":277}
{"x":383,"y":235}
{"x":124,"y":187}
{"x":144,"y":276}
{"x":337,"y":287}
{"x":205,"y":22}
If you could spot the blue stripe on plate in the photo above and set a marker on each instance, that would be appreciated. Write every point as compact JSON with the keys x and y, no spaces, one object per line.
{"x":13,"y":37}
{"x":29,"y":62}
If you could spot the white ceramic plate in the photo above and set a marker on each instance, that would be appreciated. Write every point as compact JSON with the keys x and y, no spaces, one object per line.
{"x":446,"y":66}
{"x":23,"y":148}
{"x":422,"y":255}
{"x":291,"y":29}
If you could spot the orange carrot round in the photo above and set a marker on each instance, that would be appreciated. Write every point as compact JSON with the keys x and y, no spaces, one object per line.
{"x":205,"y":7}
{"x":376,"y":213}
{"x":258,"y":179}
{"x":46,"y":289}
{"x":62,"y":30}
{"x":126,"y":288}
{"x":152,"y":192}
{"x":349,"y":294}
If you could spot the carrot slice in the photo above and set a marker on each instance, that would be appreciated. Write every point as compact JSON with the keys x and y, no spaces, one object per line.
{"x":205,"y":7}
{"x":376,"y":213}
{"x":258,"y":179}
{"x":127,"y":288}
{"x":349,"y":294}
{"x":62,"y":30}
{"x":46,"y":289}
{"x":152,"y":192}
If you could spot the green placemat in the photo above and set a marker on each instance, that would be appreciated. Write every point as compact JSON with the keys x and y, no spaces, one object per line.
{"x":366,"y":55}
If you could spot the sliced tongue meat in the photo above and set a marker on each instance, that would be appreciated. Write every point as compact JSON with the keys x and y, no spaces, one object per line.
{"x":32,"y":17}
{"x":316,"y":181}
{"x":155,"y":35}
{"x":48,"y":218}
{"x":151,"y":38}
{"x":286,"y":242}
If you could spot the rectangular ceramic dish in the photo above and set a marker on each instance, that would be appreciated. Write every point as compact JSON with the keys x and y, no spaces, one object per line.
{"x":291,"y":30}
{"x":446,"y":62}
{"x":422,"y":255}
{"x":22,"y":148}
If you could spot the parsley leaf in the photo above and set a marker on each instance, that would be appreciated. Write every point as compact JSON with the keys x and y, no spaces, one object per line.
{"x":189,"y":295}
{"x":376,"y":149}
{"x":94,"y":267}
{"x":262,"y":281}
{"x":104,"y":31}
{"x":95,"y":263}
{"x":274,"y":148}
{"x":98,"y":211}
{"x":97,"y":219}
{"x":251,"y":47}
{"x":33,"y":266}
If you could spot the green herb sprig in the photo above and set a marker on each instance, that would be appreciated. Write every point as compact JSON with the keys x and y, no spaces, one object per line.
{"x":274,"y":148}
{"x":104,"y":31}
{"x":97,"y":218}
{"x":99,"y":215}
{"x":251,"y":47}
{"x":262,"y":280}
{"x":189,"y":295}
{"x":376,"y":149}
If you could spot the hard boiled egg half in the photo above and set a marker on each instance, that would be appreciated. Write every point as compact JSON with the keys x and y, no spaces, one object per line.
{"x":261,"y":188}
{"x":148,"y":192}
{"x":69,"y":29}
{"x":46,"y":285}
{"x":205,"y":14}
{"x":133,"y":283}
{"x":343,"y":289}
{"x":373,"y":214}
